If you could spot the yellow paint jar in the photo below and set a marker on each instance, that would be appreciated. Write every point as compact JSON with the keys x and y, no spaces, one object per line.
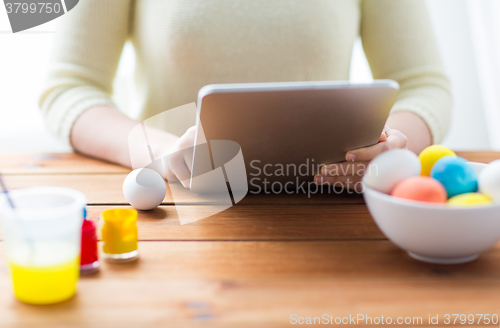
{"x":119,"y":235}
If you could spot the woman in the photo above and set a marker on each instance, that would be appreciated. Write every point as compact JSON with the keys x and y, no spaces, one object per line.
{"x":182,"y":45}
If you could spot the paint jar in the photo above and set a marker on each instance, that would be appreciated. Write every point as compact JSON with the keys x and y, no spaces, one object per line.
{"x":89,"y":261}
{"x":119,"y":235}
{"x":42,"y":242}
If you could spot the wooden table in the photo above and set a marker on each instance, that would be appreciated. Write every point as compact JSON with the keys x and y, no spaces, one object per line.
{"x":254,"y":265}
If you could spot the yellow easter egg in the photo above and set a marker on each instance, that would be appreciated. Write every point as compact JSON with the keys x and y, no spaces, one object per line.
{"x":469,"y":200}
{"x":430,"y":155}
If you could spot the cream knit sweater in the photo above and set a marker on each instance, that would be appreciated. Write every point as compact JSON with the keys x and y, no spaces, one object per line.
{"x":182,"y":45}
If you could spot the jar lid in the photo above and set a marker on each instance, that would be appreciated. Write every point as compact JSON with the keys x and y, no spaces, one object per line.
{"x":119,"y":216}
{"x":88,"y":226}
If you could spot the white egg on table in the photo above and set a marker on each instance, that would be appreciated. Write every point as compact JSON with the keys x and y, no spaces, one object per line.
{"x":144,"y":189}
{"x":391,"y":167}
{"x":489,"y":181}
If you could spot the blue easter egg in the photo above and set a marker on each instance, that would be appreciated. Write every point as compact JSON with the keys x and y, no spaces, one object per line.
{"x":455,"y":174}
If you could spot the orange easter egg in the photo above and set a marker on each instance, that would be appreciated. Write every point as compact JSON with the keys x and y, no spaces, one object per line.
{"x":421,"y":188}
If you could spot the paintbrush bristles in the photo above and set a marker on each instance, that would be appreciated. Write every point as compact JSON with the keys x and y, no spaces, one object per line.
{"x":6,"y":192}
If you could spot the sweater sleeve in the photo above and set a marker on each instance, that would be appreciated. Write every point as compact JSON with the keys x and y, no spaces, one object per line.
{"x":399,"y":43}
{"x":88,"y":44}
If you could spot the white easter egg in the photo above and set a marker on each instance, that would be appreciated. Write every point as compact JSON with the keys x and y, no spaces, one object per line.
{"x":489,"y":181}
{"x":391,"y":167}
{"x":144,"y":189}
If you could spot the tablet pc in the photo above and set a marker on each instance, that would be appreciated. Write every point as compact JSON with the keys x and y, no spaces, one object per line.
{"x":287,"y":130}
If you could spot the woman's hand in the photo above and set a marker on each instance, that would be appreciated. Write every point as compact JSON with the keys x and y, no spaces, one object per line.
{"x":349,"y":174}
{"x":180,"y":160}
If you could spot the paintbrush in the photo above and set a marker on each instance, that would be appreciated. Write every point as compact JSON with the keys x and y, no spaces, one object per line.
{"x":6,"y":192}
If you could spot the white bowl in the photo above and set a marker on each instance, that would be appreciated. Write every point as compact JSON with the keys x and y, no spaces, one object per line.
{"x":435,"y":233}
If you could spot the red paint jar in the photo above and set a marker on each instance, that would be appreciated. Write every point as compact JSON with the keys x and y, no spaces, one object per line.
{"x":89,"y":262}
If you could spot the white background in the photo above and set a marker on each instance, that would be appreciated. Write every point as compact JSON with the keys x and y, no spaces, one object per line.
{"x":24,"y":56}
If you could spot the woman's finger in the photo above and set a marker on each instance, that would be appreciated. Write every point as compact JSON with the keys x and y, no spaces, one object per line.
{"x":344,"y":168}
{"x":394,"y":139}
{"x":188,"y":159}
{"x":182,"y":173}
{"x":322,"y":180}
{"x":383,"y":137}
{"x":170,"y":176}
{"x":349,"y":182}
{"x":368,"y":153}
{"x":178,"y":169}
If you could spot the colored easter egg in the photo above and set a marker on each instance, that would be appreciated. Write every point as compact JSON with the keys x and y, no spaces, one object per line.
{"x":489,"y":181}
{"x":469,"y":200}
{"x":421,"y":188}
{"x":430,"y":155}
{"x":391,"y":167}
{"x":455,"y":174}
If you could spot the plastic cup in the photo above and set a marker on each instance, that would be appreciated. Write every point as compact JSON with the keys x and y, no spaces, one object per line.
{"x":42,"y":242}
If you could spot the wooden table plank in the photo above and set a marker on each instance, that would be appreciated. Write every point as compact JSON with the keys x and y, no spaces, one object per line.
{"x":55,"y":163}
{"x":72,"y":163}
{"x":242,"y":260}
{"x":107,"y":189}
{"x":242,"y":222}
{"x":480,"y":156}
{"x":368,"y":260}
{"x":186,"y":303}
{"x":261,"y":284}
{"x":99,"y":188}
